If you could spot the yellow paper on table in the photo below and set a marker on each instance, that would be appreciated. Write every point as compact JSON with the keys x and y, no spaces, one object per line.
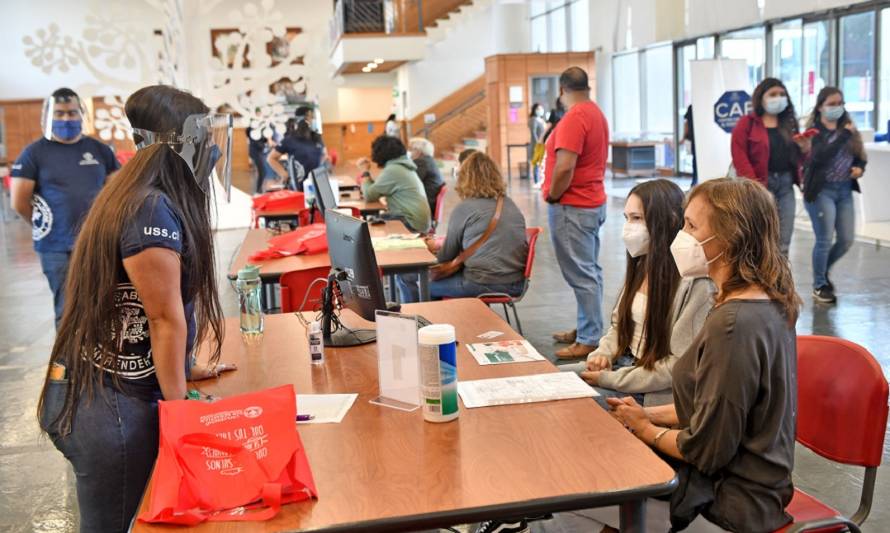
{"x":397,"y":242}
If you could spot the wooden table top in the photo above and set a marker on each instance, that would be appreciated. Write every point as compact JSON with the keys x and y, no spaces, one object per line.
{"x":256,"y":239}
{"x":385,"y":470}
{"x":347,"y":182}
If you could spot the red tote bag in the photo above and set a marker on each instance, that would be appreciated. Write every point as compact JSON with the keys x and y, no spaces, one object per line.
{"x":280,"y":201}
{"x":311,"y":239}
{"x":239,"y":458}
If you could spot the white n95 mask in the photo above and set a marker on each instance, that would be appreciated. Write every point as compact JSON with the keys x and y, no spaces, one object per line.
{"x":636,"y":238}
{"x":689,"y":255}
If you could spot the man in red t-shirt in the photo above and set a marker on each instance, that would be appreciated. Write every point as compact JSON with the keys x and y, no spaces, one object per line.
{"x":573,"y":186}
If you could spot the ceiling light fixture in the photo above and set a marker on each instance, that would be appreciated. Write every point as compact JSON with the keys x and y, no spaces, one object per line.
{"x":378,"y":61}
{"x":366,"y":69}
{"x":372,"y":65}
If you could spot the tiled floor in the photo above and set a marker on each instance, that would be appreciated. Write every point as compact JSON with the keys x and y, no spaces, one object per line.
{"x":36,"y":484}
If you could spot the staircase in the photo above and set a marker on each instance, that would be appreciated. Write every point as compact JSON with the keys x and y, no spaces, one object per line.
{"x":456,"y":15}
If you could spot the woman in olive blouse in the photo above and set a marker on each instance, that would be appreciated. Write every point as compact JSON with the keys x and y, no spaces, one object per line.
{"x":732,"y":423}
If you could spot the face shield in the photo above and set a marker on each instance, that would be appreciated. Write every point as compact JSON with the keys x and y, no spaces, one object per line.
{"x":205,"y":145}
{"x":62,"y":118}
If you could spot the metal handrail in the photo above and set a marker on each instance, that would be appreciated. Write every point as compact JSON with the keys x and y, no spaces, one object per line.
{"x":466,"y":104}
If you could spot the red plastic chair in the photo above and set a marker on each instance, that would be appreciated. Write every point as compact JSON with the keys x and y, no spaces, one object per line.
{"x":440,"y":207}
{"x":842,"y":416}
{"x":531,"y":236}
{"x":296,"y":284}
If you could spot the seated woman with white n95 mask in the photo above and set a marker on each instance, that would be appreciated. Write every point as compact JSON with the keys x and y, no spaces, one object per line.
{"x":658,"y":313}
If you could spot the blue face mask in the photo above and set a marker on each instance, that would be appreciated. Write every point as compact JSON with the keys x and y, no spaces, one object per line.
{"x":775,"y":105}
{"x":67,"y":130}
{"x":833,"y":112}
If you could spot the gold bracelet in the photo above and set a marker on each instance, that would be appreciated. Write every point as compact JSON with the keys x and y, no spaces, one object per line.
{"x":658,"y":437}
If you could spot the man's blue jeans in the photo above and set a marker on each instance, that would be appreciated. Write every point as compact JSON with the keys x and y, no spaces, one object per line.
{"x":55,"y":268}
{"x":575,"y":233}
{"x":456,"y":286}
{"x":112,"y":446}
{"x":831,"y":212}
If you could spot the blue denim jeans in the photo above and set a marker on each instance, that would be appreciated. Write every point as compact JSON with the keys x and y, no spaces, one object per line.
{"x":575,"y":233}
{"x":781,"y":184}
{"x":831,"y":213}
{"x":456,"y":286}
{"x":622,"y":362}
{"x":55,"y":268}
{"x":112,"y":446}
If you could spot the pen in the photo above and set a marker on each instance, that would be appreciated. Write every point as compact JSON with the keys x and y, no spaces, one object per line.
{"x":304,"y":418}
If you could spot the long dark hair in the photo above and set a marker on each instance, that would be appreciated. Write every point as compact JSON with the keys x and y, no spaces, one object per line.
{"x":745,"y":220}
{"x":90,"y":317}
{"x":787,"y":119}
{"x":535,"y":107}
{"x":815,"y":118}
{"x":304,"y":132}
{"x":663,"y":210}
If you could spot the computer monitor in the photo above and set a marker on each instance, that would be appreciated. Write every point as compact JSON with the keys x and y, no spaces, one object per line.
{"x":324,"y":193}
{"x":355,"y":274}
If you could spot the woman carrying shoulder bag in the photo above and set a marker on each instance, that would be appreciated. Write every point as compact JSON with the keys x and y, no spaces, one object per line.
{"x":485,"y":248}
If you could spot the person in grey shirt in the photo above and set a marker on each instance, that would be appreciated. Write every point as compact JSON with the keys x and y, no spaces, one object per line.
{"x":422,"y":151}
{"x":499,"y":264}
{"x":658,"y":314}
{"x":732,"y":424}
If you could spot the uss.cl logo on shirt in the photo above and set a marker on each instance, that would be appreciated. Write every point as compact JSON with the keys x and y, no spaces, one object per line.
{"x":88,"y":159}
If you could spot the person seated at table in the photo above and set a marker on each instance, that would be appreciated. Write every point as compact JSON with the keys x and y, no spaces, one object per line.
{"x":302,"y":145}
{"x":732,"y":423}
{"x":658,"y":313}
{"x":422,"y":152}
{"x":498,"y":265}
{"x":140,"y":294}
{"x":398,"y":183}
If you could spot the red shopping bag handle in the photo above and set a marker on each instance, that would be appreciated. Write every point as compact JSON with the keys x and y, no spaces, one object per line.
{"x":271,"y":494}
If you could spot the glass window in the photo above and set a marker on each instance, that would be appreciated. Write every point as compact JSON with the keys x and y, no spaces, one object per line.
{"x":857,"y":66}
{"x":539,"y":34}
{"x":626,"y":94}
{"x":580,"y":21}
{"x":884,"y":105}
{"x":685,"y":55}
{"x":704,"y":47}
{"x":748,"y":45}
{"x":536,"y":8}
{"x":816,"y":62}
{"x":558,"y":35}
{"x":787,"y":57}
{"x":659,"y":119}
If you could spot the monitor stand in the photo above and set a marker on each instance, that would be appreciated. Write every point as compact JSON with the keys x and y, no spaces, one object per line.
{"x":335,"y":333}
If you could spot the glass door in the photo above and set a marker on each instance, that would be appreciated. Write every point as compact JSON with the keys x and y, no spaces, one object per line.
{"x":816,"y":62}
{"x":685,"y":55}
{"x":857,"y":66}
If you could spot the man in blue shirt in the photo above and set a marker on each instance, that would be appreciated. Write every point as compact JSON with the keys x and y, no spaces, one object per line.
{"x":54,"y":182}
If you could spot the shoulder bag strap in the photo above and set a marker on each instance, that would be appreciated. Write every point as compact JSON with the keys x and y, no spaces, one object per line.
{"x":467,"y":253}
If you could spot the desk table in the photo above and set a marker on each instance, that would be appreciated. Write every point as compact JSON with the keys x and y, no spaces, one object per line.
{"x":388,"y":470}
{"x":414,"y":260}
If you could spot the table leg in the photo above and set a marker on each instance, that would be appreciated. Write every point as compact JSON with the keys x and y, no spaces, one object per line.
{"x":632,"y":516}
{"x":424,"y":285}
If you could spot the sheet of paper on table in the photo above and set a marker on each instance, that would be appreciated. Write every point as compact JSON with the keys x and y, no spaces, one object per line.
{"x":397,"y":242}
{"x":500,"y":352}
{"x":524,"y":389}
{"x":325,"y":408}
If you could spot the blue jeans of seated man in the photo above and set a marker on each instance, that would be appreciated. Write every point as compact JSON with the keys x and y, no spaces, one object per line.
{"x":781,"y":185}
{"x":456,"y":286}
{"x":55,"y":268}
{"x":622,"y":362}
{"x":831,"y":213}
{"x":402,"y":219}
{"x":112,"y":446}
{"x":575,"y":234}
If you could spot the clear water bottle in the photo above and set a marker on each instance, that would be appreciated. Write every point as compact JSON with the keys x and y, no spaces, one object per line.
{"x":309,"y":192}
{"x":249,"y":287}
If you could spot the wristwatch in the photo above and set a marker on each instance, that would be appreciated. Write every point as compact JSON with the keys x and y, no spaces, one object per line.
{"x":551,"y":200}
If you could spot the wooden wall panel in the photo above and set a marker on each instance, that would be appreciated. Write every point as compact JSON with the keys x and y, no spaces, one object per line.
{"x":351,"y":140}
{"x":518,"y":69}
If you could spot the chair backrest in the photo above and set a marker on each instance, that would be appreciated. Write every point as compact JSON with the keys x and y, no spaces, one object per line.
{"x":531,"y":236}
{"x":841,"y":400}
{"x":294,"y":285}
{"x":440,"y":205}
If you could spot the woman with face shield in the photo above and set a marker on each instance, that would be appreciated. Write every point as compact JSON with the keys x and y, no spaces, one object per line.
{"x":658,"y":313}
{"x":766,"y":148}
{"x":141,"y":290}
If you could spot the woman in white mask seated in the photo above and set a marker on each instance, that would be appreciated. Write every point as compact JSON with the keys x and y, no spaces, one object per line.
{"x":658,"y":313}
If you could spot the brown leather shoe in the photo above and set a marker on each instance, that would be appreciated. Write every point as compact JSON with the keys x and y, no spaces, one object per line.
{"x":565,"y":337}
{"x":574,"y":351}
